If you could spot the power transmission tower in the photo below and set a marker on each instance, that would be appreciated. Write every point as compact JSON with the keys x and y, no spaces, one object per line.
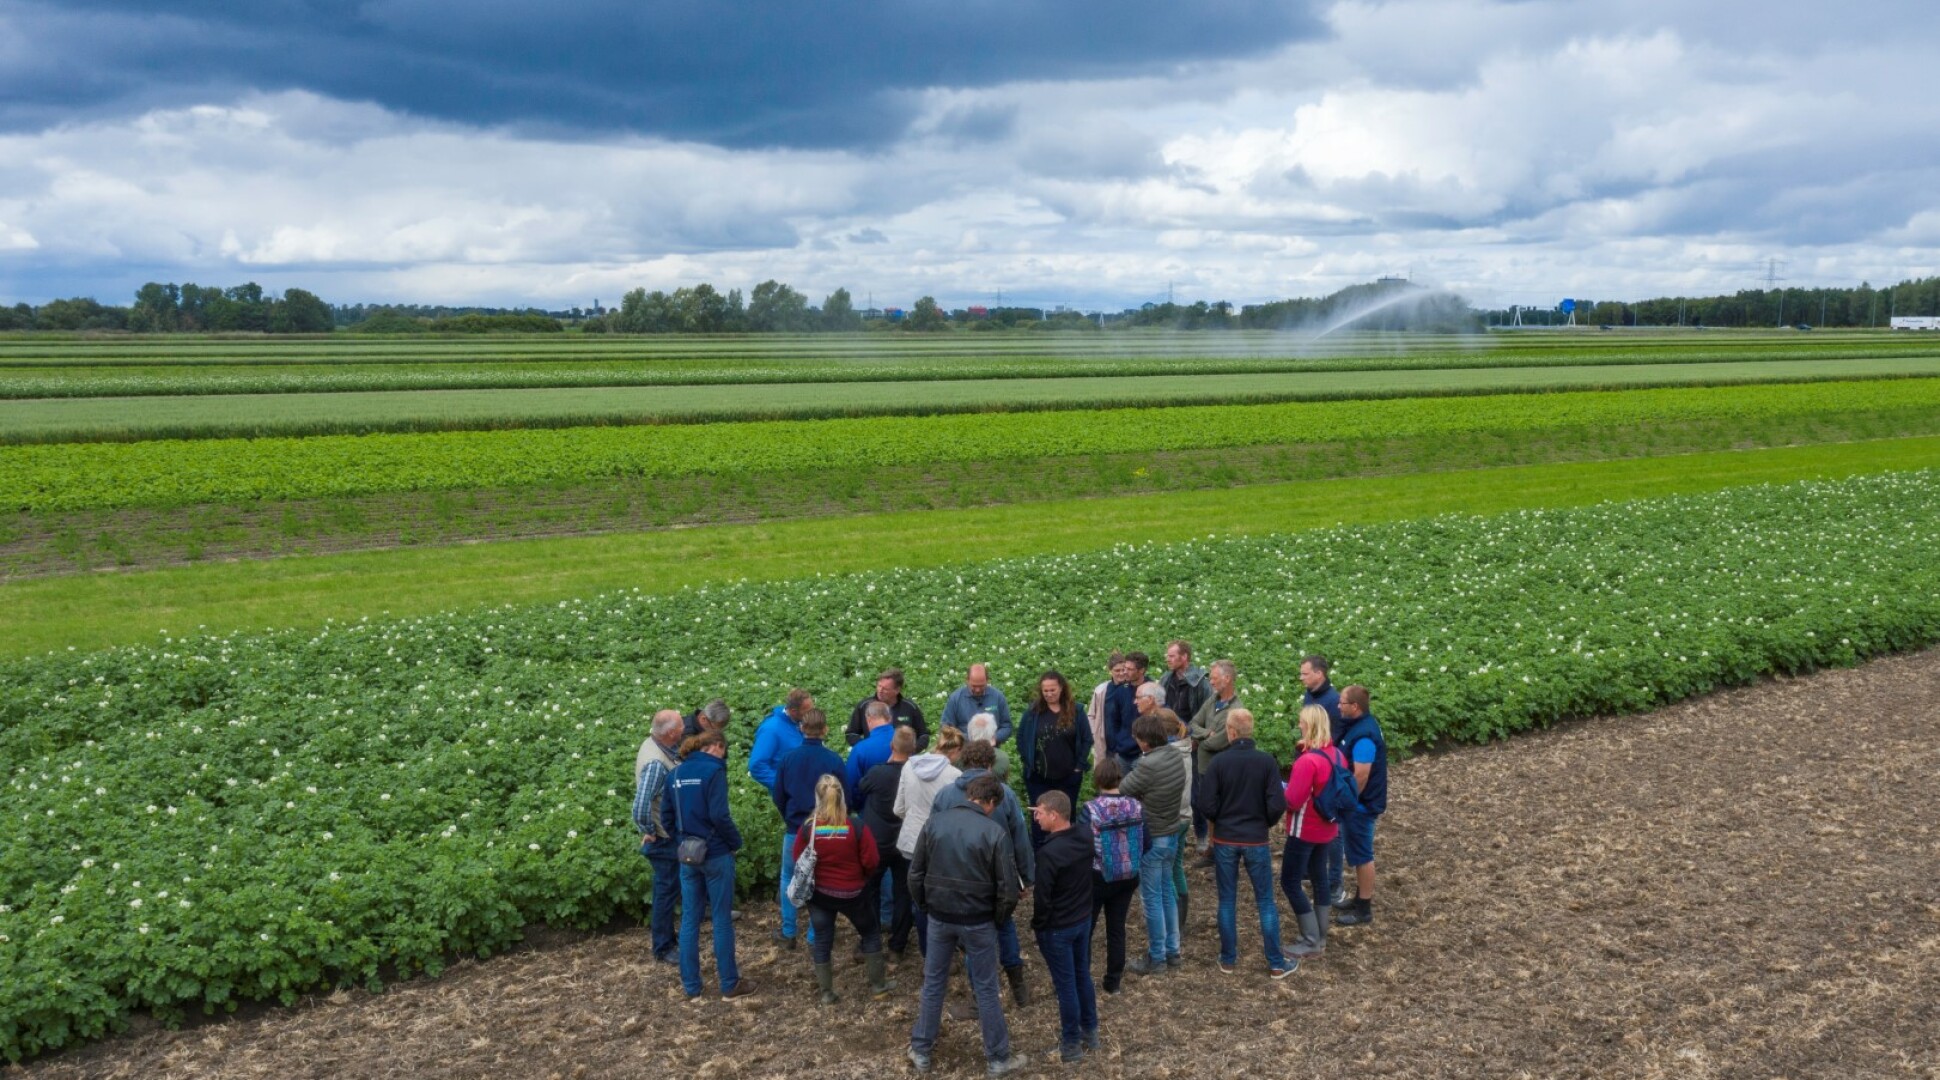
{"x":1771,"y":281}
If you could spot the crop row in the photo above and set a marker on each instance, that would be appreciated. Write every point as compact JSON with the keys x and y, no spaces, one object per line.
{"x":343,"y":349}
{"x":161,"y":473}
{"x":279,"y":375}
{"x":220,"y":819}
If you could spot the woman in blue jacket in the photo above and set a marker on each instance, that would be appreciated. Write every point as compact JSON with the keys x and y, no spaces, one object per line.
{"x":696,"y":808}
{"x":1053,"y":744}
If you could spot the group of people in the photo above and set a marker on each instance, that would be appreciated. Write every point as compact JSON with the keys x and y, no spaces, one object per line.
{"x":903,"y":839}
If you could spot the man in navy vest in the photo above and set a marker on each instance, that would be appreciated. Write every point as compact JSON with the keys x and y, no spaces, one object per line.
{"x":1366,"y":750}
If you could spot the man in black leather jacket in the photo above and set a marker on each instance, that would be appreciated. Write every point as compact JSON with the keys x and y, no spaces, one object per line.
{"x":964,"y":877}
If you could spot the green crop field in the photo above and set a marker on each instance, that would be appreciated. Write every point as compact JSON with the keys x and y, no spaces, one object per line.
{"x":174,"y":472}
{"x":96,"y":610}
{"x":233,"y":780}
{"x":275,"y":369}
{"x":215,"y":416}
{"x":197,"y":822}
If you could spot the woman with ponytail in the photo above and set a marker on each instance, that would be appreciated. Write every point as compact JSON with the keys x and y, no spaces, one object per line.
{"x":846,"y":876}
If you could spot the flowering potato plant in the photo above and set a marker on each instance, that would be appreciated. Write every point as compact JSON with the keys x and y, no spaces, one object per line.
{"x":215,"y":819}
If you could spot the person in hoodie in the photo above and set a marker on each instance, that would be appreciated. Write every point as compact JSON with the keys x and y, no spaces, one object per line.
{"x":696,"y":806}
{"x":801,"y":769}
{"x":923,"y":778}
{"x":976,"y":760}
{"x":845,"y":868}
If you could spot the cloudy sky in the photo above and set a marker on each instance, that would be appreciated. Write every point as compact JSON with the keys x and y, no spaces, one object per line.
{"x":1082,"y":152}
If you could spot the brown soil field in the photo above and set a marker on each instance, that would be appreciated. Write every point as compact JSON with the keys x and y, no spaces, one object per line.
{"x":1744,"y":885}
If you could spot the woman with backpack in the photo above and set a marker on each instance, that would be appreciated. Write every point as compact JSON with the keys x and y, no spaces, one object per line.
{"x":1309,"y":830}
{"x":1053,"y":744}
{"x":844,"y":864}
{"x":1117,"y":824}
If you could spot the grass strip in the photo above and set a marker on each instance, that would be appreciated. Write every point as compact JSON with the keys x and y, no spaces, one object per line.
{"x":94,"y":611}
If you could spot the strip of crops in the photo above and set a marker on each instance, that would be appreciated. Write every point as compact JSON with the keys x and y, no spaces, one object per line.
{"x":412,"y":373}
{"x":54,"y":379}
{"x":252,"y":416}
{"x":252,"y":816}
{"x":243,"y":350}
{"x":161,"y":473}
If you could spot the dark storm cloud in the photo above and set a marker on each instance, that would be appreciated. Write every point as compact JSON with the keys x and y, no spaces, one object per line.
{"x":769,"y":72}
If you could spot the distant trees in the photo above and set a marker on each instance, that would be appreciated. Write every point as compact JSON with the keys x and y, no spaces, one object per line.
{"x":1862,"y":306}
{"x":926,"y":317}
{"x":169,"y":308}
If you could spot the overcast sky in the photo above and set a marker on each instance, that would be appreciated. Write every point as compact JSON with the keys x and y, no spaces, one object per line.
{"x":1082,"y":152}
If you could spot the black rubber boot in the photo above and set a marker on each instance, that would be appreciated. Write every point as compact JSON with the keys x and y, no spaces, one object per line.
{"x":1361,"y":914}
{"x":1020,"y":991}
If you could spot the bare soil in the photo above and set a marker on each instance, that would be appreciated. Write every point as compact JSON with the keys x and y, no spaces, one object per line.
{"x":1744,"y":885}
{"x":46,"y":544}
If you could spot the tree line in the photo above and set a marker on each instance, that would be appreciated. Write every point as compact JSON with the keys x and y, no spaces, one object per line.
{"x":171,"y":308}
{"x":1864,"y":306}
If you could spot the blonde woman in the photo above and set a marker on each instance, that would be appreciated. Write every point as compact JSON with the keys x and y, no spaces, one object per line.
{"x":1309,"y":835}
{"x":846,"y":864}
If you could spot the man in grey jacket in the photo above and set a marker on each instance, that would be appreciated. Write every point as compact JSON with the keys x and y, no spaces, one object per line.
{"x":963,"y":875}
{"x":1208,"y":729}
{"x":1159,"y":783}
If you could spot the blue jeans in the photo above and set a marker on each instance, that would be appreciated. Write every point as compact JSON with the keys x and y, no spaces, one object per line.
{"x":1302,"y":861}
{"x":1009,"y":953}
{"x":710,"y":886}
{"x":1259,"y":868}
{"x":1159,"y":898}
{"x":979,"y":942}
{"x":666,"y":895}
{"x":788,"y":875}
{"x":1067,"y":953}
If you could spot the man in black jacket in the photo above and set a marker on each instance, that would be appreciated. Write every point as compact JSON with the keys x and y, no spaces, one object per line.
{"x":1241,"y":795}
{"x":964,"y":878}
{"x":1061,"y":916}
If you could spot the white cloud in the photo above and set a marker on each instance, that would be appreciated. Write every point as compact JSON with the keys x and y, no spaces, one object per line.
{"x":1517,"y":151}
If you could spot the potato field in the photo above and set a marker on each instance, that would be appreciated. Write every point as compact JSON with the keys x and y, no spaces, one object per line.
{"x":317,"y":688}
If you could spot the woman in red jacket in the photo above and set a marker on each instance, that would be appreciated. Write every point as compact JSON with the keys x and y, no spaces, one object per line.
{"x":847,"y":869}
{"x":1309,"y":834}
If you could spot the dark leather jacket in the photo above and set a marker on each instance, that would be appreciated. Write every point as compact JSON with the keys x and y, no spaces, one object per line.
{"x":963,"y":871}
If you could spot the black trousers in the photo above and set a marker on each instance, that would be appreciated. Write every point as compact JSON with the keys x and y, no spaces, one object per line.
{"x":1114,"y":900}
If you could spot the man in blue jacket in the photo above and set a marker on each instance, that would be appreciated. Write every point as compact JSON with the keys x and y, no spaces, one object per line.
{"x":696,"y":807}
{"x":1366,"y":749}
{"x":872,"y":751}
{"x":780,"y":732}
{"x":794,"y":794}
